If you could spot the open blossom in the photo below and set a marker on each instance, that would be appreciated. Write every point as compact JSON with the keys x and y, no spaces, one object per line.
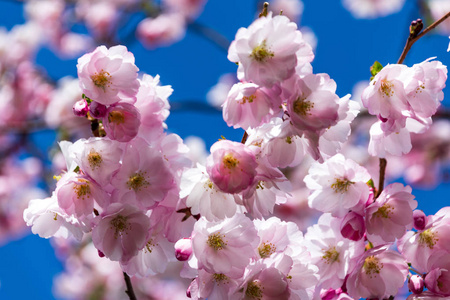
{"x":121,"y":231}
{"x":231,"y":166}
{"x":334,"y":255}
{"x":267,"y":50}
{"x":108,"y":75}
{"x":422,"y":246}
{"x":99,"y":158}
{"x":391,"y":215}
{"x":77,"y":194}
{"x":248,"y":105}
{"x":204,"y":197}
{"x":337,"y":186}
{"x":144,"y":178}
{"x":225,"y":247}
{"x":122,"y":122}
{"x":380,"y":273}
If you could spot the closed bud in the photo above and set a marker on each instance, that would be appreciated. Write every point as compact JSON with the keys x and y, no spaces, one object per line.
{"x":415,"y":284}
{"x":183,"y":249}
{"x":353,"y":227}
{"x":97,"y":110}
{"x":420,"y":220}
{"x":80,"y":108}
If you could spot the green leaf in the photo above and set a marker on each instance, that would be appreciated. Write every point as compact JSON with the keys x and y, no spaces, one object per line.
{"x":375,"y":69}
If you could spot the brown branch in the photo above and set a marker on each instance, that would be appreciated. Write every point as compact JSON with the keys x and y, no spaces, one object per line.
{"x":414,"y":36}
{"x":129,"y":291}
{"x":383,"y":163}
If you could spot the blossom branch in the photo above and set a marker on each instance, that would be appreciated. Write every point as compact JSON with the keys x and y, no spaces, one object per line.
{"x":414,"y":35}
{"x":383,"y":163}
{"x":129,"y":290}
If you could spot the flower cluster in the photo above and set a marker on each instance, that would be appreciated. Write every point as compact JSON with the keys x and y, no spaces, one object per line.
{"x":134,"y":190}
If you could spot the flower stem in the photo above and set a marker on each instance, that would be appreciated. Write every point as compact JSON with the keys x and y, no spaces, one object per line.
{"x":383,"y":163}
{"x":129,"y":290}
{"x":414,"y":37}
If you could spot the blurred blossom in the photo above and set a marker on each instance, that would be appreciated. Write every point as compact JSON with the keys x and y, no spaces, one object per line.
{"x":292,"y":9}
{"x":163,"y":30}
{"x":438,"y":8}
{"x":370,"y":9}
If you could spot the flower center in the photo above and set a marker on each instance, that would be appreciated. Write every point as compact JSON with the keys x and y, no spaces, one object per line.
{"x":302,"y":107}
{"x":230,"y":161}
{"x":266,"y":249}
{"x":372,"y":266}
{"x":386,"y":88}
{"x":254,"y":290}
{"x":120,"y":225}
{"x":341,"y":185}
{"x":116,"y":117}
{"x":102,"y":79}
{"x":82,"y":189}
{"x":220,"y":278}
{"x":216,"y":241}
{"x":149,"y":246}
{"x":260,"y":53}
{"x":384,"y":211}
{"x":248,"y":99}
{"x":428,"y":238}
{"x":331,"y":255}
{"x":137,"y":181}
{"x":94,"y":159}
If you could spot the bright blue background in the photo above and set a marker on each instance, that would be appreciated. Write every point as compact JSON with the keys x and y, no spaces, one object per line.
{"x":346,"y":49}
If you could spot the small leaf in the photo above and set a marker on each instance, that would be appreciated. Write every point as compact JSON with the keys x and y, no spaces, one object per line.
{"x":375,"y":69}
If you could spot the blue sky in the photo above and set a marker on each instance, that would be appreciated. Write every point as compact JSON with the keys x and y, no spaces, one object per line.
{"x":346,"y":49}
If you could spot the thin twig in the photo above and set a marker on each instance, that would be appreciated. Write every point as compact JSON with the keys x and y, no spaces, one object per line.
{"x":383,"y":163}
{"x":129,"y":291}
{"x":412,"y":38}
{"x":218,"y":39}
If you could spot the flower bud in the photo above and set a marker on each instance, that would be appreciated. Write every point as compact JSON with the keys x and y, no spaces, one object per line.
{"x":183,"y":249}
{"x":353,"y":227}
{"x":100,"y":253}
{"x":420,"y":219}
{"x":415,"y":284}
{"x":97,"y":110}
{"x":80,"y":108}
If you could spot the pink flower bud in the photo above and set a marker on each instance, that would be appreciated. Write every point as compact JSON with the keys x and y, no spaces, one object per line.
{"x":415,"y":284}
{"x":100,"y":253}
{"x":353,"y":227}
{"x":231,"y":166}
{"x":183,"y":249}
{"x":80,"y":108}
{"x":420,"y":219}
{"x":97,"y":110}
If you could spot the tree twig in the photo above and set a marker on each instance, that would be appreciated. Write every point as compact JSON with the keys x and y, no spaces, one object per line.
{"x":415,"y":36}
{"x":129,"y":290}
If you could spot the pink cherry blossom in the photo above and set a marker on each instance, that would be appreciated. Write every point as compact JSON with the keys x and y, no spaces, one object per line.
{"x":391,"y":214}
{"x":204,"y":197}
{"x":352,"y":226}
{"x":312,"y":103}
{"x":337,"y":186}
{"x":334,"y":255}
{"x":144,"y":178}
{"x":99,"y":158}
{"x":163,"y":30}
{"x":248,"y":105}
{"x":76,"y":195}
{"x":380,"y":273}
{"x":122,"y":122}
{"x":267,"y":50}
{"x":121,"y":231}
{"x":231,"y":166}
{"x":108,"y":75}
{"x":369,"y":9}
{"x":225,"y":247}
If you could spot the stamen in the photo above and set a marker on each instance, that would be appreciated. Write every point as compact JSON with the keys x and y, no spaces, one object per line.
{"x":102,"y":79}
{"x":341,"y":185}
{"x":261,"y":53}
{"x":138,"y":181}
{"x":216,"y":241}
